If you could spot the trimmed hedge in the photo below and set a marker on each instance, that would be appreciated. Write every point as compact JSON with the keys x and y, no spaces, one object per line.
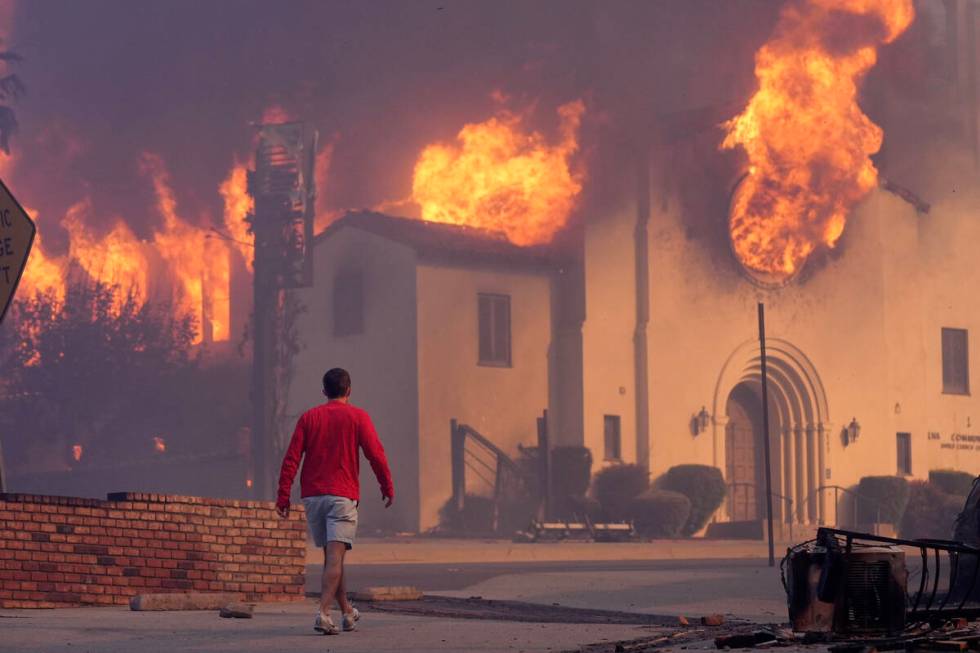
{"x":705,"y":488}
{"x":616,"y":486}
{"x":889,"y":494}
{"x":659,"y":513}
{"x":952,"y":482}
{"x":476,"y":518}
{"x":930,"y":512}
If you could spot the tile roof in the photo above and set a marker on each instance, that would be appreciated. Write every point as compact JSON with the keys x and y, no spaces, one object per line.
{"x":446,"y":243}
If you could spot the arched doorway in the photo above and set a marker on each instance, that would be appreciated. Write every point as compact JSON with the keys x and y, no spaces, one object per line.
{"x":743,"y":464}
{"x":799,"y":425}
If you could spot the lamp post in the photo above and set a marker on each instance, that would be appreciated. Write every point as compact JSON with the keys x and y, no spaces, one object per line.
{"x":852,"y":431}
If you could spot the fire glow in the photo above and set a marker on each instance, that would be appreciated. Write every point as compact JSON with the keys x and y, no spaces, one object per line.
{"x":808,"y":142}
{"x":503,"y":177}
{"x":180,"y":258}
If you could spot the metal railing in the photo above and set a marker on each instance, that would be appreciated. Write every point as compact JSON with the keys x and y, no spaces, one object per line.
{"x":941,"y":593}
{"x":472,"y":451}
{"x":855,"y":498}
{"x":775,"y":495}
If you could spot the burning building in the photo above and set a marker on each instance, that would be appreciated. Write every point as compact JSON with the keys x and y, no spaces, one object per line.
{"x":635,"y":325}
{"x":590,"y":240}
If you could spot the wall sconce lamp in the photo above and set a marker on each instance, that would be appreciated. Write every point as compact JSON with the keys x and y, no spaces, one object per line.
{"x":851,"y":432}
{"x":700,"y":421}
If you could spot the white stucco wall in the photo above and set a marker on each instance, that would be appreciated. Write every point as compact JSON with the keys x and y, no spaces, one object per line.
{"x":868,"y":319}
{"x":607,"y":334}
{"x":501,"y":403}
{"x":382,"y":360}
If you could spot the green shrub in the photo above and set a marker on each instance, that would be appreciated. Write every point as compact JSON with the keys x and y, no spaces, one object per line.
{"x":571,"y":471}
{"x":882,"y":499}
{"x":659,"y":513}
{"x":705,"y":488}
{"x":930,"y":512}
{"x":952,"y":482}
{"x":476,"y":517}
{"x":616,"y":486}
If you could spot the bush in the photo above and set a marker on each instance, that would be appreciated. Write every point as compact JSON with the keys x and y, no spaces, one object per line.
{"x":952,"y":482}
{"x":659,"y":513}
{"x":476,"y":517}
{"x":882,"y":499}
{"x":930,"y":512}
{"x":571,"y":471}
{"x":616,"y":486}
{"x":705,"y":488}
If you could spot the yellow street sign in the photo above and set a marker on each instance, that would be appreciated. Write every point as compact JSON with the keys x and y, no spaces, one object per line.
{"x":16,"y":237}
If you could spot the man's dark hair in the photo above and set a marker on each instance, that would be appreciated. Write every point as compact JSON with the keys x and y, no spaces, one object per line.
{"x":336,"y":383}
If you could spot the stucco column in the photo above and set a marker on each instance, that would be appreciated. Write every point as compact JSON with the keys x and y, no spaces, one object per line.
{"x":811,"y":476}
{"x":720,"y":451}
{"x":789,"y":472}
{"x":801,"y":473}
{"x":821,"y":473}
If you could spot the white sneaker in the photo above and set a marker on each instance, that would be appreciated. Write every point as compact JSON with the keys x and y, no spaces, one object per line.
{"x":325,"y":625}
{"x":350,"y":619}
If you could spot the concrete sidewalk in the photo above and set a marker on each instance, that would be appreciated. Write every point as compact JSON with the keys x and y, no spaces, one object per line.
{"x":409,"y":549}
{"x":281,"y":627}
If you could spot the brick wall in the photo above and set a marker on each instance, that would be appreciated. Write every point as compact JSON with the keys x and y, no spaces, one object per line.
{"x":66,"y":551}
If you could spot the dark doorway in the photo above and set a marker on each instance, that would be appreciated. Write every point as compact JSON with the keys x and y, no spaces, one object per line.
{"x":743,"y":459}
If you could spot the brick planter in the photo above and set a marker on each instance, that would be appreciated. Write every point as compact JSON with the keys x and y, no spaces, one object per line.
{"x":66,"y":551}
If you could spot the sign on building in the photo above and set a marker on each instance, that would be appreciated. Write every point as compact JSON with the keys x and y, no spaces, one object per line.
{"x":16,"y":237}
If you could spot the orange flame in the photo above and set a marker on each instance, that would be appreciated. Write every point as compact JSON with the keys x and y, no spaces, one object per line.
{"x":807,"y":140}
{"x":199,"y":263}
{"x":159,"y":444}
{"x":118,"y":257}
{"x":238,"y":204}
{"x":195,"y":263}
{"x":76,"y":452}
{"x":501,"y":177}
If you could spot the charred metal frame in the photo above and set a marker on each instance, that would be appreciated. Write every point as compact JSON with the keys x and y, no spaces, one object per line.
{"x":922,"y":604}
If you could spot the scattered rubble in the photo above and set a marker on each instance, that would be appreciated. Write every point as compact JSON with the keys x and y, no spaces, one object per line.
{"x":237,"y":610}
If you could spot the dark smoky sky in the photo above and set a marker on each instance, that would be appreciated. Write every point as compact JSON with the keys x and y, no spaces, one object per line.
{"x":109,"y":79}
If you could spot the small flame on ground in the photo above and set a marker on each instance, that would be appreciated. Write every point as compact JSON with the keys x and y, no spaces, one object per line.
{"x":159,"y":444}
{"x":502,"y":177}
{"x":76,"y":452}
{"x":808,"y":142}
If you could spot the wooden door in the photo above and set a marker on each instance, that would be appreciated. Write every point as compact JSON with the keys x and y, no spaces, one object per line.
{"x":740,"y":460}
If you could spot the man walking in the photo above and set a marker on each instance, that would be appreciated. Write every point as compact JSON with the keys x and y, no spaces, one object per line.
{"x":329,"y":436}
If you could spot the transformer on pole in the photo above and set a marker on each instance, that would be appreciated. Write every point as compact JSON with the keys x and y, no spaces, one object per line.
{"x":284,"y":190}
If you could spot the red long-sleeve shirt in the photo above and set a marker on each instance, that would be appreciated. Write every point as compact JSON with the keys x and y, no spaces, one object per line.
{"x":329,"y":436}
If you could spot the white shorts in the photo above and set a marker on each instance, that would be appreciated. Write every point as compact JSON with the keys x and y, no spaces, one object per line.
{"x":331,"y":519}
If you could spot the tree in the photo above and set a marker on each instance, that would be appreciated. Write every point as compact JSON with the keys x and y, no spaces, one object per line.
{"x":100,"y":368}
{"x":11,"y":88}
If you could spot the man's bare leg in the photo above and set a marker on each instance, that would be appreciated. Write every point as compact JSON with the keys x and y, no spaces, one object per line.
{"x":341,"y":596}
{"x":333,"y":571}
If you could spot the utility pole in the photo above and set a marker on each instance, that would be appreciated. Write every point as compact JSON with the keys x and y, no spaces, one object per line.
{"x":283,"y":188}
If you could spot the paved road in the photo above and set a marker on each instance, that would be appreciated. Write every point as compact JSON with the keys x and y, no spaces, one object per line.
{"x":739,"y":587}
{"x":280,"y":628}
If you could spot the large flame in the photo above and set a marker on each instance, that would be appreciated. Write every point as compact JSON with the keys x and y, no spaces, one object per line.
{"x":238,"y":205}
{"x":198,"y":261}
{"x":195,"y":267}
{"x":807,"y":140}
{"x":503,"y":177}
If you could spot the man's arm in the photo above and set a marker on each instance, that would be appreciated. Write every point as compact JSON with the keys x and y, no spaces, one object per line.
{"x":375,"y":453}
{"x":290,"y":463}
